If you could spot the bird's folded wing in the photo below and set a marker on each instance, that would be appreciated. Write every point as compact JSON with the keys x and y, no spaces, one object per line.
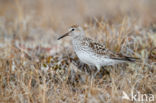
{"x":103,"y":51}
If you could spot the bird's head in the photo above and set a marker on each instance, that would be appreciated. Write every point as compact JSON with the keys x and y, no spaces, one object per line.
{"x":74,"y":31}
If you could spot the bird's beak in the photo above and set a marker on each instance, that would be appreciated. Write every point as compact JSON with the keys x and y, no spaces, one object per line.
{"x":66,"y":34}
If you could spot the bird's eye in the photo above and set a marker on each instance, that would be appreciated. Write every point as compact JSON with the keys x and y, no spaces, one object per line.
{"x":73,"y":29}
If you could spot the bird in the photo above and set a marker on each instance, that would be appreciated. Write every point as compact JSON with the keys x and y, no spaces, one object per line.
{"x":93,"y":53}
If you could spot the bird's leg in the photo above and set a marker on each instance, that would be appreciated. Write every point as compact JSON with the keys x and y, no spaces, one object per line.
{"x":92,"y":75}
{"x":82,"y":67}
{"x":98,"y":69}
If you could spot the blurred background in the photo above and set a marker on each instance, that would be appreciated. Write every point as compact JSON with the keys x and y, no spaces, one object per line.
{"x":47,"y":19}
{"x":58,"y":14}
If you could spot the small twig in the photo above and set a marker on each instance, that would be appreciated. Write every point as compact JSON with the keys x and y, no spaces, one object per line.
{"x":152,"y":55}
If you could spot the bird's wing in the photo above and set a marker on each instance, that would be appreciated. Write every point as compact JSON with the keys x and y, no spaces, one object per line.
{"x":103,"y":51}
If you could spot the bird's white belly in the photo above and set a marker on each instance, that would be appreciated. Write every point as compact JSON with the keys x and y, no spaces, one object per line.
{"x":87,"y":58}
{"x":91,"y":59}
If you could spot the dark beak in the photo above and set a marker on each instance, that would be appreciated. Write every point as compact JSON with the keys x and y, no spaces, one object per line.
{"x":66,"y":34}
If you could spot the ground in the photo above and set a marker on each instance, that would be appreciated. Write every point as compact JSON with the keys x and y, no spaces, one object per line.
{"x":37,"y":68}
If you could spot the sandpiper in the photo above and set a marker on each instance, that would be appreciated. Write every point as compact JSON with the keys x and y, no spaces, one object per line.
{"x":91,"y":52}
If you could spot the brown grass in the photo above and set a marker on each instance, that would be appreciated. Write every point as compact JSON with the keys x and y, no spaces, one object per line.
{"x":36,"y":68}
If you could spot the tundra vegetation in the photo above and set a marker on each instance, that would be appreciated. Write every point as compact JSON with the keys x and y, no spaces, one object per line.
{"x":36,"y":68}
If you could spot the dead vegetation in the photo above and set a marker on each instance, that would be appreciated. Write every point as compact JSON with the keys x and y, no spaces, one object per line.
{"x":36,"y":68}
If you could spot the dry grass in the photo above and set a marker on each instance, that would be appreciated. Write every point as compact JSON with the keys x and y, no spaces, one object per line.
{"x":36,"y":68}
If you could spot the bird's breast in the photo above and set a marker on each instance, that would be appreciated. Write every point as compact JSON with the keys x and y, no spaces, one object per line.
{"x":83,"y":52}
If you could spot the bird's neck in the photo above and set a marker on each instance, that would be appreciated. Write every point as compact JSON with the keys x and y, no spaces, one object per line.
{"x":76,"y":42}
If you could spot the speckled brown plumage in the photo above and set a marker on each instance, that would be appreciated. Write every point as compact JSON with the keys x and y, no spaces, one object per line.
{"x":103,"y":51}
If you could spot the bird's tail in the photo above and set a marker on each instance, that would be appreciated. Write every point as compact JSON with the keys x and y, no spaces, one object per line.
{"x":132,"y":59}
{"x":129,"y":59}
